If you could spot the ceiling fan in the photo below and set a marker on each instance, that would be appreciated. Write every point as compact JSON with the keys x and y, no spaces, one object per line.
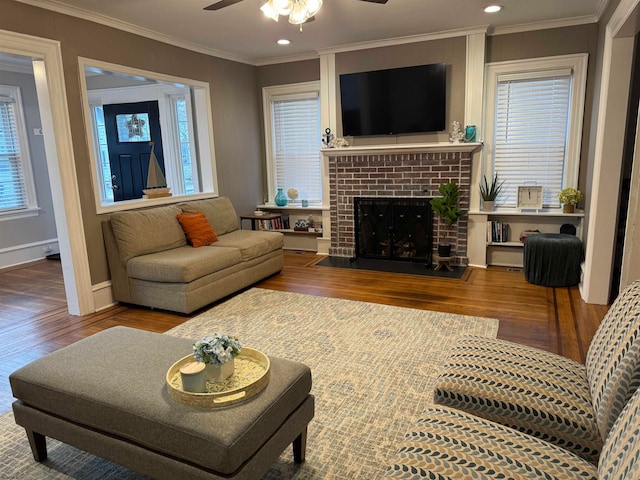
{"x":298,"y":11}
{"x":228,"y":3}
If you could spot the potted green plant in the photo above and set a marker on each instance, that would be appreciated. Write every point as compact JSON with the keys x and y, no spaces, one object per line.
{"x":569,"y":197}
{"x":448,"y":209}
{"x":490,"y":192}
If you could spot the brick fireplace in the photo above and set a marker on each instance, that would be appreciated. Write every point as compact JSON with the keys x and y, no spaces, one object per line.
{"x":409,"y":171}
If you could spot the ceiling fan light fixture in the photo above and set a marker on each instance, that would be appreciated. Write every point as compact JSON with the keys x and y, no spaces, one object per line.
{"x":269,"y":11}
{"x":313,"y":7}
{"x":283,"y":7}
{"x":299,"y":13}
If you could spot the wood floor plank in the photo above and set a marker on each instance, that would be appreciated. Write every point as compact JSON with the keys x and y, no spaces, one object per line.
{"x":34,"y":320}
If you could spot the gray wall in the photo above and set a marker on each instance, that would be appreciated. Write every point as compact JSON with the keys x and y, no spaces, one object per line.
{"x":451,"y":51}
{"x":236,"y":121}
{"x":22,"y":231}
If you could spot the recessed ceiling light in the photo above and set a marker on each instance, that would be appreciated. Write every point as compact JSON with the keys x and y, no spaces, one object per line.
{"x":284,"y":41}
{"x":493,"y":8}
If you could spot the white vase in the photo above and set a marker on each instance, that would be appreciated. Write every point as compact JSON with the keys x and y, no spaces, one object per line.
{"x":487,"y":205}
{"x":219,"y":373}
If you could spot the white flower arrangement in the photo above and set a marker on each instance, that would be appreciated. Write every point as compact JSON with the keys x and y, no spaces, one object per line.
{"x":216,"y":349}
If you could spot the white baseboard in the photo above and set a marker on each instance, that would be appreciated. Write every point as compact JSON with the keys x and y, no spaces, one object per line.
{"x":103,"y":296}
{"x":323,"y":245}
{"x":27,"y":252}
{"x":477,"y":266}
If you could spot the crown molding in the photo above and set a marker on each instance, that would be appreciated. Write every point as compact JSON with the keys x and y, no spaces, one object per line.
{"x":529,"y":27}
{"x":602,"y":6}
{"x":58,"y":7}
{"x":291,"y":58}
{"x":425,"y":37}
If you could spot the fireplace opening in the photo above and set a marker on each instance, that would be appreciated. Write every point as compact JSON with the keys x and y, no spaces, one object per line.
{"x":393,"y":228}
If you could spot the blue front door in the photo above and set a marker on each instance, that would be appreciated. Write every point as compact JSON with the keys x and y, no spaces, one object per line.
{"x":129,"y":128}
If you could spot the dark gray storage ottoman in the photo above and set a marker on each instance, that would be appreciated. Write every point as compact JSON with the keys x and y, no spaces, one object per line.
{"x":106,"y":394}
{"x":552,"y":259}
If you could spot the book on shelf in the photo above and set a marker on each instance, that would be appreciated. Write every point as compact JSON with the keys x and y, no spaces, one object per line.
{"x":279,"y":223}
{"x":497,"y":232}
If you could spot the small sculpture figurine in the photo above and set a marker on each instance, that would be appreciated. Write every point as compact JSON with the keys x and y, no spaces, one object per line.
{"x":338,"y":143}
{"x":327,"y":137}
{"x":457,"y":136}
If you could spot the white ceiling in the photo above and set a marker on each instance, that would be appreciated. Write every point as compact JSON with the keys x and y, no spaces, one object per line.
{"x":241,"y":32}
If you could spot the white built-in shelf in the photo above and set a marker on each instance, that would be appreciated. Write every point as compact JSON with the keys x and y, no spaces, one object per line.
{"x":528,"y":213}
{"x":404,"y":148}
{"x":296,"y":208}
{"x":298,"y":232}
{"x":505,"y":244}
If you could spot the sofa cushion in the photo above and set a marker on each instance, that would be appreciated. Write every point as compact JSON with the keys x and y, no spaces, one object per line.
{"x":620,"y":458}
{"x":198,"y":231}
{"x":447,"y":444}
{"x":533,"y":391}
{"x":613,"y":359}
{"x":183,"y":264}
{"x":219,"y":212}
{"x":147,"y":231}
{"x":252,"y":243}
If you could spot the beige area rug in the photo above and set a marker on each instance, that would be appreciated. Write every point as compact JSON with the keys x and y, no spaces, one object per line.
{"x":373,"y":371}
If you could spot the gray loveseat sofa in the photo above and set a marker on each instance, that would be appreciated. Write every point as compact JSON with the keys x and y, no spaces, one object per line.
{"x":151,"y":263}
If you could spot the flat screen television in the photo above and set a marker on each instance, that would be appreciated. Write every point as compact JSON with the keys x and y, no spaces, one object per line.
{"x":394,"y":101}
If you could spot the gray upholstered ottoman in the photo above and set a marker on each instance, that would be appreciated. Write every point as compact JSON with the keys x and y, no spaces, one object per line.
{"x":106,"y":394}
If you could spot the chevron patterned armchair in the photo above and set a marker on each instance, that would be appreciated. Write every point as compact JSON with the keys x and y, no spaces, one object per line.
{"x":509,"y":411}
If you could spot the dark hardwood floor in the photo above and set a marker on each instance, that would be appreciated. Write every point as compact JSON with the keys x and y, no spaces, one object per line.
{"x":34,"y":319}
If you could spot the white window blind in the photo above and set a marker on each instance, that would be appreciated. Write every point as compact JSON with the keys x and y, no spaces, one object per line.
{"x":296,"y":144}
{"x":13,"y":188}
{"x":532,"y":116}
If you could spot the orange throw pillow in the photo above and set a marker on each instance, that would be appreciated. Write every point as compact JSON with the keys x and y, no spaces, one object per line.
{"x":197,"y":229}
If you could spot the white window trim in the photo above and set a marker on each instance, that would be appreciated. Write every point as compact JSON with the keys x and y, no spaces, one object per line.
{"x":294,"y":89}
{"x":172,"y":116}
{"x":578,"y":64}
{"x":31,"y":208}
{"x":204,"y":120}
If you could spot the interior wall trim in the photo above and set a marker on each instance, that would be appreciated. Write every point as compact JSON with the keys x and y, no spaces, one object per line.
{"x":103,"y":295}
{"x":72,"y":11}
{"x":462,"y":32}
{"x":28,"y":252}
{"x":54,"y":114}
{"x":529,"y":27}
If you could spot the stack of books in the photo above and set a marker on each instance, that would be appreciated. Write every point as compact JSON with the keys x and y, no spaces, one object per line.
{"x":497,"y":232}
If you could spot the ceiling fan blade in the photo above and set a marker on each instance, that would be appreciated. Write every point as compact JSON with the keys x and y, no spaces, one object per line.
{"x":221,"y":4}
{"x":375,"y":1}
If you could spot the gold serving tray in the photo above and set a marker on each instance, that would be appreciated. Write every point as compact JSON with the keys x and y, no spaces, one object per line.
{"x":251,"y":374}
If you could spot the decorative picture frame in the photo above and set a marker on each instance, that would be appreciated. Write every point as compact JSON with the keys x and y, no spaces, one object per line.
{"x":529,"y":197}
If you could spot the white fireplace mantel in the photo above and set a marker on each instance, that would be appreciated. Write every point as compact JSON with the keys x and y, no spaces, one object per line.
{"x":402,"y":148}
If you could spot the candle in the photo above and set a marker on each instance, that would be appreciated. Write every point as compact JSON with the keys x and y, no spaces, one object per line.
{"x":193,"y":377}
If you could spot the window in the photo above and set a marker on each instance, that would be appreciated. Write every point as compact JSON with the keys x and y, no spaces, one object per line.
{"x":180,"y":121}
{"x":534,"y":125}
{"x":100,"y":138}
{"x":293,"y":140}
{"x":17,"y":190}
{"x":182,"y":129}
